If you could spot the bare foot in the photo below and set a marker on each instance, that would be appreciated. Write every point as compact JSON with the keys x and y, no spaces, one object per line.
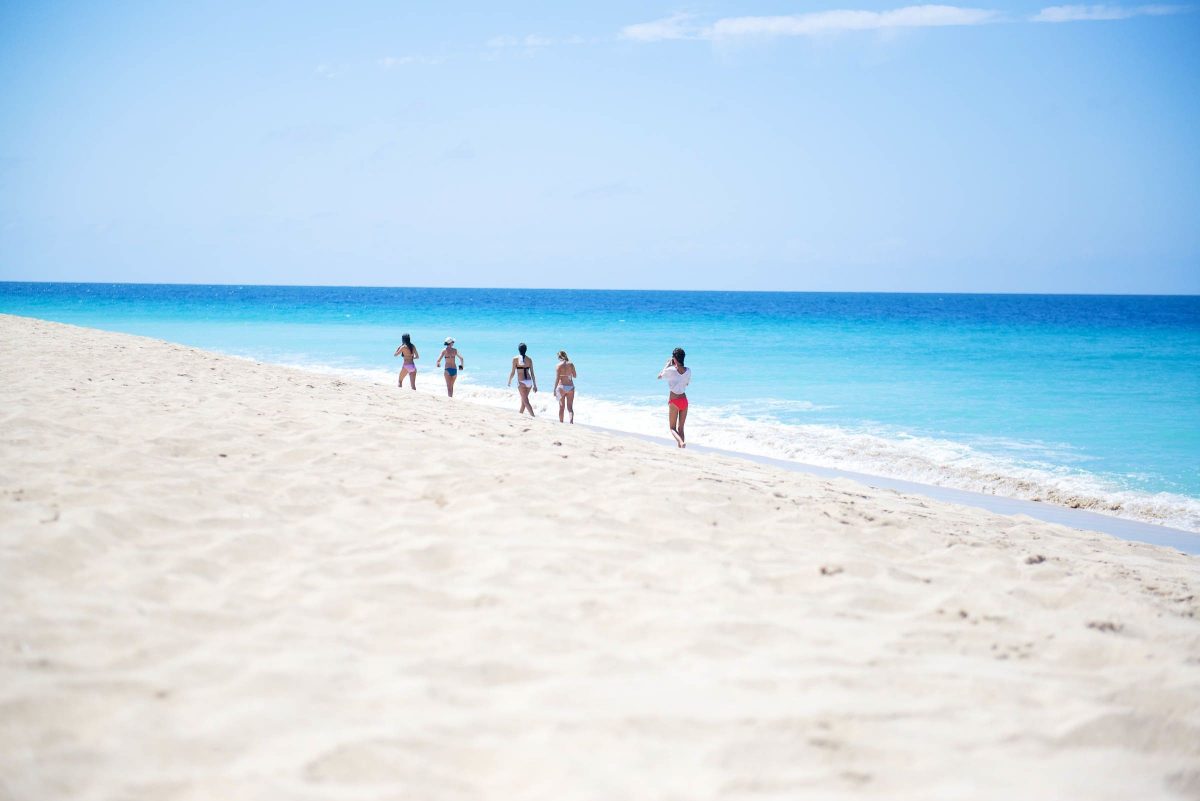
{"x":678,"y":439}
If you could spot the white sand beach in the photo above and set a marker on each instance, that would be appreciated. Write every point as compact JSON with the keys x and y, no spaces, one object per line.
{"x":228,"y":580}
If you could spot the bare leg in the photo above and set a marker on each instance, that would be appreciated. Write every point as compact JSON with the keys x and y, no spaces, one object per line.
{"x":570,"y":405}
{"x":412,"y":380}
{"x":672,"y":418}
{"x":562,"y":405}
{"x":525,"y":404}
{"x":679,"y":428}
{"x":450,"y":384}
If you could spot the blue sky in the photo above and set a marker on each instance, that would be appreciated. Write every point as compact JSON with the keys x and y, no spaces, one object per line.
{"x":834,"y":146}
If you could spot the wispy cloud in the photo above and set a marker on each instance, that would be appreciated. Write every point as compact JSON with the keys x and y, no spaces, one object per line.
{"x":528,"y":45}
{"x":1102,"y":12}
{"x":820,"y":22}
{"x":686,"y":26}
{"x":532,"y":41}
{"x":676,"y":26}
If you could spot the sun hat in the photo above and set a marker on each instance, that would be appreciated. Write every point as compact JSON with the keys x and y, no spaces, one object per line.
{"x":449,"y":341}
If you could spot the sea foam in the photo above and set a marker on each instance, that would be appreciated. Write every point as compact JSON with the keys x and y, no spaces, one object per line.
{"x":924,"y":460}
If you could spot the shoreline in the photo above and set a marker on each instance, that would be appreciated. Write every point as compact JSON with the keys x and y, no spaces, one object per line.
{"x":954,"y":462}
{"x":230,"y":579}
{"x":1082,"y":520}
{"x":1124,"y":525}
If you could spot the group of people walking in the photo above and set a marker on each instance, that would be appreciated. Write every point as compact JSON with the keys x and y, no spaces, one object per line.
{"x":674,"y":372}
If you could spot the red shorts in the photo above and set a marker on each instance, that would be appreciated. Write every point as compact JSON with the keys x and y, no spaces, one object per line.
{"x":679,"y":403}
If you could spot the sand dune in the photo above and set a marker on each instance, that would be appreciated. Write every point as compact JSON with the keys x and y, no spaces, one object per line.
{"x":227,"y":580}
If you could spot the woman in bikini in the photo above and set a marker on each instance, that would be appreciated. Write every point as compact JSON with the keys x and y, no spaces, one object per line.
{"x":564,"y":386}
{"x":454,"y":363}
{"x":410,"y":355}
{"x":527,"y":380}
{"x":678,"y":377}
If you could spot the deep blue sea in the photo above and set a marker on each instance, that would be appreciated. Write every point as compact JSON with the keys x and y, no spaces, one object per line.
{"x":1091,"y":401}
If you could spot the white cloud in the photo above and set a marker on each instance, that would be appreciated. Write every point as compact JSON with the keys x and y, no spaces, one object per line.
{"x":1101,"y":12}
{"x":675,"y":26}
{"x":680,"y":26}
{"x":683,"y":26}
{"x":528,"y":46}
{"x":819,"y":22}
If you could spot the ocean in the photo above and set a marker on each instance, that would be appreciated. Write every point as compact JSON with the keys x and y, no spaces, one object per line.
{"x":1084,"y":401}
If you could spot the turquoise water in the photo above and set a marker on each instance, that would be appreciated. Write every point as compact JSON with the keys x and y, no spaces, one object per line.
{"x":1091,"y":401}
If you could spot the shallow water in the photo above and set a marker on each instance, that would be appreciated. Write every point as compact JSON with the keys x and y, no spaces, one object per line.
{"x":1085,"y":401}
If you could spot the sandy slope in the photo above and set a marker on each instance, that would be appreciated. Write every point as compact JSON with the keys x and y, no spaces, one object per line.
{"x":225,"y":580}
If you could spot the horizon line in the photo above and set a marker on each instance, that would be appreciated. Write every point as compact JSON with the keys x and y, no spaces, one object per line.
{"x":626,"y":289}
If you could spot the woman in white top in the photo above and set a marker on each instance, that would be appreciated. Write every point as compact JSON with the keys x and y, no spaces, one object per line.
{"x":564,"y":386}
{"x":678,"y":377}
{"x":527,"y":381}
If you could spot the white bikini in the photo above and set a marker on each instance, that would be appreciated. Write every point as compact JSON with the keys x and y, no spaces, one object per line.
{"x":524,"y":367}
{"x":564,"y":388}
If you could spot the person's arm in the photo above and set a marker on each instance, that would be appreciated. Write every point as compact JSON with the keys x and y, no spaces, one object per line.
{"x":397,"y":353}
{"x":440,"y":357}
{"x":666,"y":367}
{"x":532,"y":374}
{"x":415,"y":354}
{"x":573,"y":373}
{"x":512,"y":372}
{"x":461,"y":363}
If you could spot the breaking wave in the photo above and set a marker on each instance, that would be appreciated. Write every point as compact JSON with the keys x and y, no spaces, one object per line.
{"x":983,"y":467}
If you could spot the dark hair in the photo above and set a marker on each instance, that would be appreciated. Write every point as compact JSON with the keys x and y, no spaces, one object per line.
{"x":562,"y":354}
{"x":521,"y":348}
{"x":679,"y":356}
{"x":406,"y":341}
